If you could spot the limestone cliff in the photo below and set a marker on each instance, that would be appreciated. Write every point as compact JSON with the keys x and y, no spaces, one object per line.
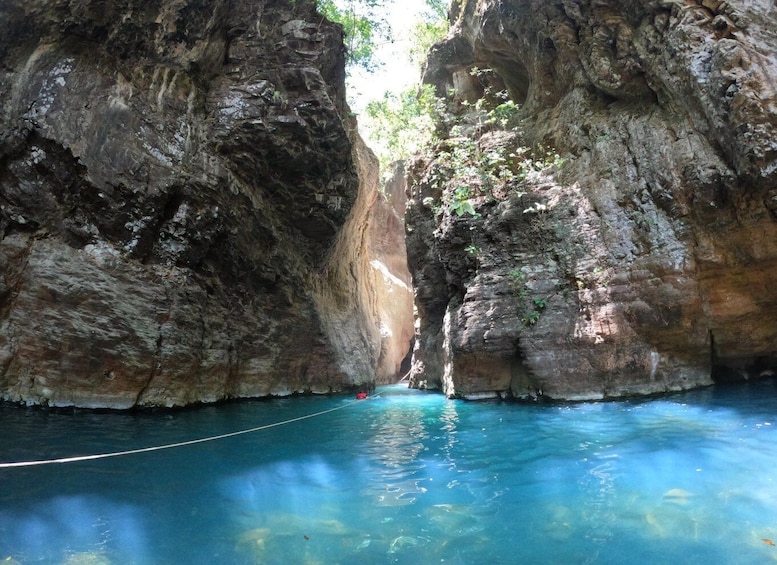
{"x":185,"y":205}
{"x":642,"y":263}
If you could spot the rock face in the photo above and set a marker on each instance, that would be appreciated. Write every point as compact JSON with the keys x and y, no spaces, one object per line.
{"x":185,"y":206}
{"x":643,"y":263}
{"x":393,"y":284}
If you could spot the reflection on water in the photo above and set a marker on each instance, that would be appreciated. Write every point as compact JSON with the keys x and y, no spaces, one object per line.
{"x":394,"y":444}
{"x":405,"y":477}
{"x":449,"y":419}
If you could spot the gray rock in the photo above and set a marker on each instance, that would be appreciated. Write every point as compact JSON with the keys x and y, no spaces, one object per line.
{"x":183,"y":206}
{"x":644,"y":262}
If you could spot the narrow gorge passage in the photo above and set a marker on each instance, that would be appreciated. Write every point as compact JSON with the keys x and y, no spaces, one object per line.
{"x":189,"y":214}
{"x":568,"y":205}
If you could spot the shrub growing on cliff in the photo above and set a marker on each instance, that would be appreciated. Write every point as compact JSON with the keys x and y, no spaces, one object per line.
{"x":529,"y":311}
{"x":462,"y":161}
{"x":505,"y":115}
{"x":468,"y":172}
{"x":460,"y":203}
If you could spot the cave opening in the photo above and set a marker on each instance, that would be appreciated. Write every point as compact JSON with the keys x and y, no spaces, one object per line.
{"x":734,"y":369}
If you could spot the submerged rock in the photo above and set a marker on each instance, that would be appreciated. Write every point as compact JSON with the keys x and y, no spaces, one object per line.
{"x":643,"y":261}
{"x":185,"y":206}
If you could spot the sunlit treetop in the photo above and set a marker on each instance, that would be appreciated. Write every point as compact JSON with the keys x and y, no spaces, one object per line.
{"x":365,"y":25}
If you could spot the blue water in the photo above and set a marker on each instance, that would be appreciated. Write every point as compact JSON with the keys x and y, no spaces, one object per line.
{"x":405,"y":477}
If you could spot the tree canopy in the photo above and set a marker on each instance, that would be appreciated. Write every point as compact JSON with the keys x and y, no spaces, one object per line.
{"x":364,"y":26}
{"x":403,"y":122}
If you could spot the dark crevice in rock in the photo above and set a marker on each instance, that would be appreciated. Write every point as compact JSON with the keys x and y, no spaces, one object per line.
{"x":149,"y":236}
{"x":737,"y":371}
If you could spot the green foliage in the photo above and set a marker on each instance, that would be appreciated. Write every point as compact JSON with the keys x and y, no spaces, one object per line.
{"x":426,"y":34}
{"x":461,"y":207}
{"x":500,"y":111}
{"x":531,"y":318}
{"x":505,"y":115}
{"x":518,"y":283}
{"x":459,"y":202}
{"x":467,"y":171}
{"x":279,"y":99}
{"x":402,"y":124}
{"x":484,"y":171}
{"x":529,"y":311}
{"x":430,"y":30}
{"x":363,"y":26}
{"x":468,"y":168}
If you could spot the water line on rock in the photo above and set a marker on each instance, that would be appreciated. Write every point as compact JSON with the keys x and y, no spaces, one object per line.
{"x":171,"y":445}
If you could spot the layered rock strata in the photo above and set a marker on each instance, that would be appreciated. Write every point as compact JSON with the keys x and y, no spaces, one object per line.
{"x":642,"y":263}
{"x":185,"y":206}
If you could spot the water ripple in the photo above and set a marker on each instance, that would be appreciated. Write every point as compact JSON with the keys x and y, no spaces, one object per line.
{"x":402,"y":478}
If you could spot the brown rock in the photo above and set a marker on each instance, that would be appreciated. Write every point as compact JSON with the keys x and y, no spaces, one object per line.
{"x":184,"y":206}
{"x":641,"y":264}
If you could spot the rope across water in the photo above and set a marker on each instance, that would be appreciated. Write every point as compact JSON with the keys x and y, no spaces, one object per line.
{"x":169,"y":445}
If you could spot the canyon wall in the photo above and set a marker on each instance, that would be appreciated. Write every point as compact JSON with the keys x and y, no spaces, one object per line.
{"x":186,"y":209}
{"x":627,"y":243}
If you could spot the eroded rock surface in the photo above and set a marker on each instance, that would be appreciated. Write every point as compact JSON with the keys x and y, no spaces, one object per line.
{"x":184,"y":205}
{"x":645,"y":262}
{"x":393,"y":284}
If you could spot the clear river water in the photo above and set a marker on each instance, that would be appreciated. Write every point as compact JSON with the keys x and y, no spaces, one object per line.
{"x":403,"y":477}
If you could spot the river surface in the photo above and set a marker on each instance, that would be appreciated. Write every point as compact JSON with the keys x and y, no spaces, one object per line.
{"x":403,"y":477}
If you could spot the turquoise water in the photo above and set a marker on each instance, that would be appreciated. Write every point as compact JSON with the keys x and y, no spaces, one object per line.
{"x":404,"y":477}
